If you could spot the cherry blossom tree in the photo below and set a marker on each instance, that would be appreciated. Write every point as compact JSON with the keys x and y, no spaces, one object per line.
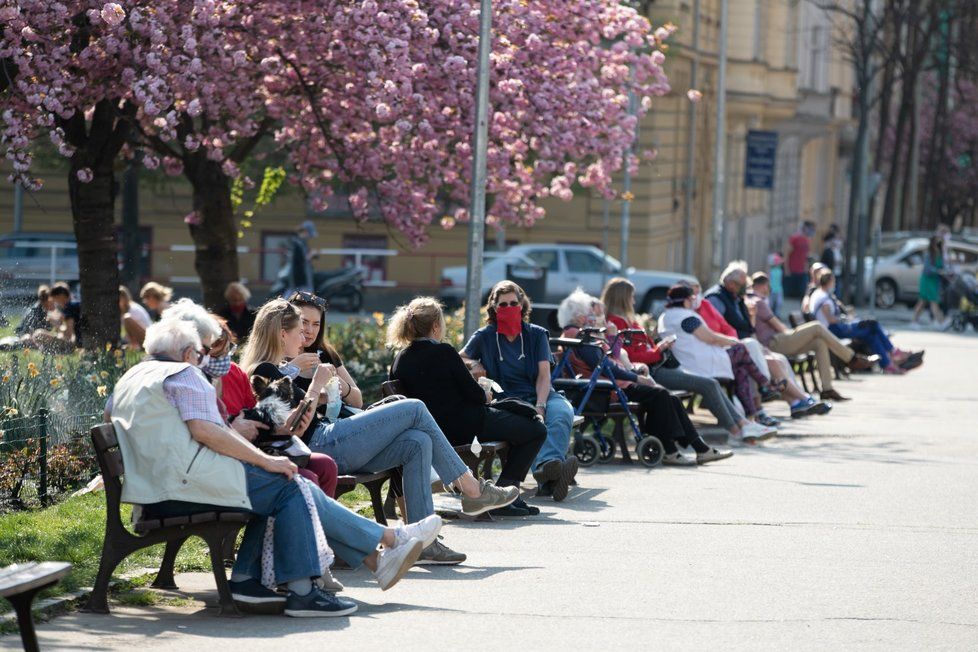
{"x":373,"y":99}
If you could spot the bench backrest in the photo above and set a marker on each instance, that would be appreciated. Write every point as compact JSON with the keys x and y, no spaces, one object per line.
{"x":109,"y":456}
{"x":796,"y":319}
{"x":391,"y":387}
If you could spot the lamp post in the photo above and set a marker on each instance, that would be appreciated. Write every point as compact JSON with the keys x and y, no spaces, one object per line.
{"x":477,"y":211}
{"x":720,"y":147}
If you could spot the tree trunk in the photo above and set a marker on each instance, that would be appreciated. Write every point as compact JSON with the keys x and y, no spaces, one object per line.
{"x":215,"y":236}
{"x":92,"y":210}
{"x":890,"y":221}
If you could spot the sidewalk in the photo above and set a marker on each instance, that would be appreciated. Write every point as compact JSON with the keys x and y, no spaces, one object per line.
{"x":856,"y":530}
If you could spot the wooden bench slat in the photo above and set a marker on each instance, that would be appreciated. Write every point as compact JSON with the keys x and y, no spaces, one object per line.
{"x":104,"y":437}
{"x":21,"y":578}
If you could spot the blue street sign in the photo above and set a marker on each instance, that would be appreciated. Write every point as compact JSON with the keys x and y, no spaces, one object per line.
{"x":762,"y":154}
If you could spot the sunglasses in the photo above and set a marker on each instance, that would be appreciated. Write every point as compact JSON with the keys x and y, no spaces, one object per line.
{"x":309,"y":298}
{"x":512,"y":304}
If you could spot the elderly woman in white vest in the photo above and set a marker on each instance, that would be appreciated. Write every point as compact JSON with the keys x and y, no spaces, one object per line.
{"x":181,"y":458}
{"x":704,"y":352}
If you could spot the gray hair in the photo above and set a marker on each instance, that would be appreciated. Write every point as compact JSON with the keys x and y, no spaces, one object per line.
{"x":735,"y":268}
{"x":577,"y":304}
{"x":186,"y":310}
{"x":170,"y":338}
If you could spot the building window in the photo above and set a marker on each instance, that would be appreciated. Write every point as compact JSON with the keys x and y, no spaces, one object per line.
{"x":375,"y":266}
{"x":274,"y":253}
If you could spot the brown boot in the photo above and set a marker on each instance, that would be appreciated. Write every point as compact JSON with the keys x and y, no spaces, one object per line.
{"x":832,"y":395}
{"x":861,"y":363}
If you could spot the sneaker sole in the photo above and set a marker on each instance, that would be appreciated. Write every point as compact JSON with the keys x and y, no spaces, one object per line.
{"x":568,"y":469}
{"x":432,"y":562}
{"x":751,"y":439}
{"x":405,"y":566}
{"x":488,"y":508}
{"x":549,"y":472}
{"x":315,"y":613}
{"x":252,"y":599}
{"x":714,"y":459}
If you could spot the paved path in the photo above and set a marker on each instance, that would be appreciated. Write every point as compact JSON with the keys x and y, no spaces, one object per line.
{"x":858,"y":529}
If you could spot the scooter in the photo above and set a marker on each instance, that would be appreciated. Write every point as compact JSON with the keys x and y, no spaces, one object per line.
{"x":343,"y":287}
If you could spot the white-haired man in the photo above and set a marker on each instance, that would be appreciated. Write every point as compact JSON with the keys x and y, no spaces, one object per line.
{"x":180,"y":458}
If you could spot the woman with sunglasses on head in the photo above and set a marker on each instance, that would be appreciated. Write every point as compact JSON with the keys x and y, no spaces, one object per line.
{"x":399,"y":434}
{"x":234,"y":392}
{"x":317,"y":350}
{"x":516,"y":354}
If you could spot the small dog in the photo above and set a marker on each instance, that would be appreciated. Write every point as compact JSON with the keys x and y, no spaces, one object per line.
{"x":274,"y":402}
{"x":272,"y":410}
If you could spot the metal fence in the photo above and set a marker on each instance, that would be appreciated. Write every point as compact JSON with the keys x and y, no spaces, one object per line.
{"x":43,"y":455}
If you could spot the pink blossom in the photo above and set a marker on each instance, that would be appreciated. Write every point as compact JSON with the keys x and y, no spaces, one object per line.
{"x":113,"y":14}
{"x":694,"y":95}
{"x":192,"y":218}
{"x":85,"y":175}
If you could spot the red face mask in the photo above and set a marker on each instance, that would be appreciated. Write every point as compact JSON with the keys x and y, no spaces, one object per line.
{"x":509,"y":320}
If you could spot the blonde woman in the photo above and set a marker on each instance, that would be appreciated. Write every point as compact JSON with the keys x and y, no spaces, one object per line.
{"x":399,"y":434}
{"x":433,"y":371}
{"x":156,"y":297}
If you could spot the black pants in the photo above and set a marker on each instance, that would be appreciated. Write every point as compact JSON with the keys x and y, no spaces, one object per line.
{"x":666,"y":418}
{"x":524,"y":436}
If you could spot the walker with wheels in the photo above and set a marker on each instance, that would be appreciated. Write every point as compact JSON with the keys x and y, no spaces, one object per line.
{"x":592,"y":448}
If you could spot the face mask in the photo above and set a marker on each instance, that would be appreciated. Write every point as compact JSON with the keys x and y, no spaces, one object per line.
{"x":206,"y":360}
{"x":217,"y":367}
{"x":697,"y":301}
{"x":741,"y":290}
{"x":509,"y":320}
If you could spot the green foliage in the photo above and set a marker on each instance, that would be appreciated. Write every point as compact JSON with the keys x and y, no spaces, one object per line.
{"x":72,"y":531}
{"x":272,"y":180}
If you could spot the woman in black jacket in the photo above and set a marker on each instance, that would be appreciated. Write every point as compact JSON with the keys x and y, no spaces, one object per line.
{"x":433,"y":372}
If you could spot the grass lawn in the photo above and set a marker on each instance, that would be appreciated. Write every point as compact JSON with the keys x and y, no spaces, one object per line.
{"x":73,"y":530}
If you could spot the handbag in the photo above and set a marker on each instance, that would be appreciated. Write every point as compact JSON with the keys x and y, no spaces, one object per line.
{"x":518,"y":407}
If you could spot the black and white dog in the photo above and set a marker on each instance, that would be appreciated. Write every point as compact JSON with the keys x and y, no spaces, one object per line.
{"x":273,"y":409}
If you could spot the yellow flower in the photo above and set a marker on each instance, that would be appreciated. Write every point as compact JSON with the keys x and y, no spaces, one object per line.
{"x":58,"y":366}
{"x":32,"y":370}
{"x":379,"y":318}
{"x":103,"y":374}
{"x":55,"y":382}
{"x":627,"y":196}
{"x":108,"y":346}
{"x":102,"y":390}
{"x":6,"y":378}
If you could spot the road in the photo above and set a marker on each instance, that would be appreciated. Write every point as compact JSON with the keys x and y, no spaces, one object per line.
{"x":858,"y":530}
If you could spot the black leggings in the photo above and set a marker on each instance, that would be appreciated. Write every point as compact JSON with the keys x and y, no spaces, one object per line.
{"x":666,"y":418}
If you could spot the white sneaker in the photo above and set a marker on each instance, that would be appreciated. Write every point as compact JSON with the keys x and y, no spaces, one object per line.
{"x":754,"y":432}
{"x":426,"y":529}
{"x":713,"y":455}
{"x":393,"y":563}
{"x":915,"y":326}
{"x":677,"y":459}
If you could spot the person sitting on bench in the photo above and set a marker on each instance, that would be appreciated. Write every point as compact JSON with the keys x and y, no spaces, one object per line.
{"x":665,"y":416}
{"x":516,"y":354}
{"x":811,"y":336}
{"x":399,"y":434}
{"x":618,"y":297}
{"x":180,"y":458}
{"x":433,"y":372}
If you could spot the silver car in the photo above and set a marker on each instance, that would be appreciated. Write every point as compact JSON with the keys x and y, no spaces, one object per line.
{"x":897,"y":276}
{"x":28,"y":259}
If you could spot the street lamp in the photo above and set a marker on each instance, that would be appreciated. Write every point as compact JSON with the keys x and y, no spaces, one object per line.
{"x":477,"y":210}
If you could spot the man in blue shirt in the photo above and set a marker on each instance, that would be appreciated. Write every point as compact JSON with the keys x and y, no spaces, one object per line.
{"x":516,"y":354}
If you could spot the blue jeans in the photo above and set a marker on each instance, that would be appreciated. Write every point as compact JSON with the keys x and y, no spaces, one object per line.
{"x":559,"y":420}
{"x":350,"y":535}
{"x":400,"y":434}
{"x":272,"y":494}
{"x":872,"y":334}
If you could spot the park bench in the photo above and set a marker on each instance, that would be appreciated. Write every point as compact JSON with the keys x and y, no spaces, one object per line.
{"x":215,"y":527}
{"x":374,"y":483}
{"x":19,"y":583}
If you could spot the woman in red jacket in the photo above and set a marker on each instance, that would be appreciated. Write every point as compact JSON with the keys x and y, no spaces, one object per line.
{"x":618,"y":297}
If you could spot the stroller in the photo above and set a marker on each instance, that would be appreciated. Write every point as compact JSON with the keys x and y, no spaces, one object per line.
{"x":962,"y":301}
{"x":591,"y":398}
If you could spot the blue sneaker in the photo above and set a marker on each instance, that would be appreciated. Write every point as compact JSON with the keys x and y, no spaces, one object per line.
{"x":318,"y":604}
{"x":250,"y":595}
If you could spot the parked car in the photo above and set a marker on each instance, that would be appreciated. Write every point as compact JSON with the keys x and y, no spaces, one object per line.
{"x":568,"y":267}
{"x":26,"y":261}
{"x":897,"y":276}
